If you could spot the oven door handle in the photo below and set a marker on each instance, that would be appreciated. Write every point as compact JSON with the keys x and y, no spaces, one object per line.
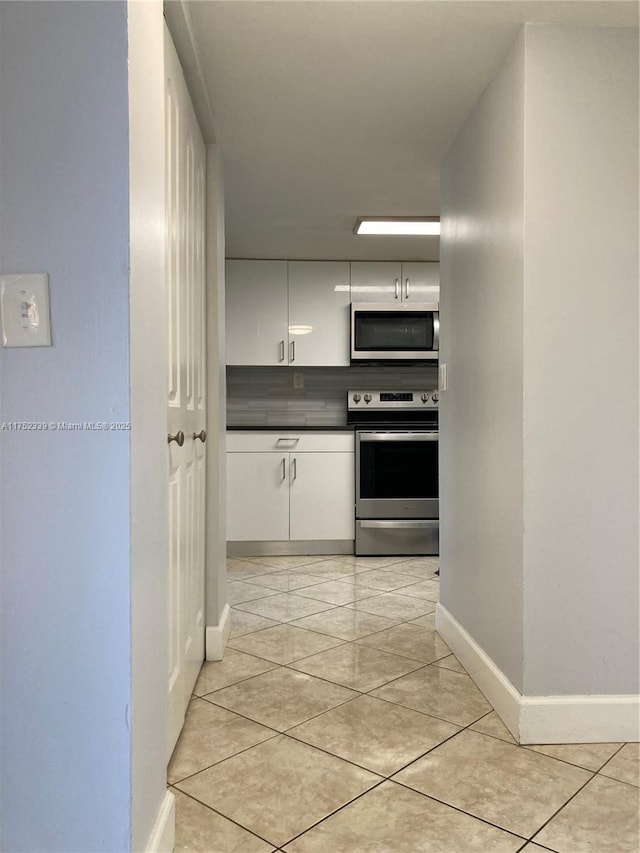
{"x":396,"y":436}
{"x":404,"y":525}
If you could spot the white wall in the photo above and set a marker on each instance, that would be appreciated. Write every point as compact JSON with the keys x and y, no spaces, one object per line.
{"x":581,"y":631}
{"x":539,"y":304}
{"x":481,"y":303}
{"x":149,"y":494}
{"x":64,"y":496}
{"x":84,"y":673}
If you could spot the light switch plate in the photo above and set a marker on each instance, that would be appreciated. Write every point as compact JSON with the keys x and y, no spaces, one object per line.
{"x":24,"y":308}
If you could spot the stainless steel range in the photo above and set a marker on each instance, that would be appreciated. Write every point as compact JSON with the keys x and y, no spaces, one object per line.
{"x":396,"y":471}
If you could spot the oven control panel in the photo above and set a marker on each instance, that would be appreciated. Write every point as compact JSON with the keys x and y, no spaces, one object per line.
{"x":392,"y":400}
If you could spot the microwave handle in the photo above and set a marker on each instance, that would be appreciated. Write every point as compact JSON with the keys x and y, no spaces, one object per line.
{"x":436,"y":330}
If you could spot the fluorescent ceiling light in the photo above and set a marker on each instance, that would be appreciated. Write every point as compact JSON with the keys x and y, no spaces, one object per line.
{"x":410,"y":226}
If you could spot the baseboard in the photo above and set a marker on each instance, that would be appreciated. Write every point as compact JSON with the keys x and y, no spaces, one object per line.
{"x":217,"y":635}
{"x":579,"y":719}
{"x":541,"y":719}
{"x":497,"y":688}
{"x":162,"y":837}
{"x":289,"y":548}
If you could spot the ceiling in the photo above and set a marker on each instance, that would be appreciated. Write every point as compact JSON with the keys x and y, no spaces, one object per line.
{"x":326,"y":110}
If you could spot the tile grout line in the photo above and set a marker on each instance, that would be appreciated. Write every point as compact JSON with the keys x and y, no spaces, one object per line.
{"x":251,"y":720}
{"x":564,"y":805}
{"x":227,"y":757}
{"x":530,"y":746}
{"x":462,"y":811}
{"x":220,"y":814}
{"x":334,"y":812}
{"x":619,"y":781}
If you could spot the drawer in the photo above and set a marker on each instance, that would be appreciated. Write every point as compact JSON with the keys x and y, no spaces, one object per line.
{"x":262,"y":441}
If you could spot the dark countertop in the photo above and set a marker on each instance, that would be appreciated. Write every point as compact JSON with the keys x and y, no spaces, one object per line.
{"x":289,"y":428}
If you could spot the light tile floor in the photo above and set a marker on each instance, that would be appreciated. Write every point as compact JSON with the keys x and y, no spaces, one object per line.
{"x":340,"y":722}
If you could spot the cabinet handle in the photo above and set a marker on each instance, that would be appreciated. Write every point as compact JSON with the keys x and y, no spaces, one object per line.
{"x":281,"y":350}
{"x":178,"y":438}
{"x":295,"y":468}
{"x":284,"y":468}
{"x":293,"y":350}
{"x":397,"y":287}
{"x":406,"y":288}
{"x":202,"y":435}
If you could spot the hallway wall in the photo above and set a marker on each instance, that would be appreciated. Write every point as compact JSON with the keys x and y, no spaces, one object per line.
{"x":64,"y":494}
{"x":539,"y":307}
{"x":481,"y":431}
{"x":83,"y":677}
{"x":581,"y":630}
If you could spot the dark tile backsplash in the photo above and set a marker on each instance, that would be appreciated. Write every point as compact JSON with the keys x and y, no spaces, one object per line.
{"x":265,"y":396}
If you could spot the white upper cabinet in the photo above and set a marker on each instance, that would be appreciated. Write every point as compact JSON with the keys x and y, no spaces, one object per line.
{"x":375,"y":281}
{"x":287,"y":313}
{"x":420,"y":282}
{"x":296,"y":313}
{"x":389,"y":281}
{"x":319,"y":313}
{"x":256,"y":312}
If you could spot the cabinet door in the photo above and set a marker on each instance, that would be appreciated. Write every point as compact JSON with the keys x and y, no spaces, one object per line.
{"x":319,"y":313}
{"x":375,"y":281}
{"x":421,"y":282}
{"x":257,"y":496}
{"x":322,"y":496}
{"x":256,"y":312}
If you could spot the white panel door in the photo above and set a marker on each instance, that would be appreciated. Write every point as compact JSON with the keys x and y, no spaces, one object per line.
{"x":256,"y":312}
{"x":186,"y":409}
{"x":421,"y":281}
{"x":322,"y":502}
{"x":257,"y":496}
{"x":376,"y":281}
{"x":319,"y":297}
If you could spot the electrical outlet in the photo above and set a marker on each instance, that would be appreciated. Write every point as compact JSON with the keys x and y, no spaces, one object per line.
{"x":298,"y":381}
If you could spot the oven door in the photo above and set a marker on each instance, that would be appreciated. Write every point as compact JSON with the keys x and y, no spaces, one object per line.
{"x":385,"y":332}
{"x":396,"y":474}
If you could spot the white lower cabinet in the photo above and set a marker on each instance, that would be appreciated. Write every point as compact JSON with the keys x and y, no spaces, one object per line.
{"x":257,"y":496}
{"x":290,"y":486}
{"x":321,"y":502}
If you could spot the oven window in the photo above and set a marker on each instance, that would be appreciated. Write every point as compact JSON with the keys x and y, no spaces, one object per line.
{"x":396,"y":331}
{"x":398,"y":469}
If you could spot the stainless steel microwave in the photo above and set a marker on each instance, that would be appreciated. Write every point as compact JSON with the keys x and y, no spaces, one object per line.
{"x":384,"y":331}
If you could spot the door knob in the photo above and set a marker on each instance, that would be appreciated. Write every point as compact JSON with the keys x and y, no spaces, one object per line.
{"x":202,"y":435}
{"x":178,"y":438}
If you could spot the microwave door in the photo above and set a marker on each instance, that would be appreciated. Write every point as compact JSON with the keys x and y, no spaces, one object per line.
{"x":384,"y":334}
